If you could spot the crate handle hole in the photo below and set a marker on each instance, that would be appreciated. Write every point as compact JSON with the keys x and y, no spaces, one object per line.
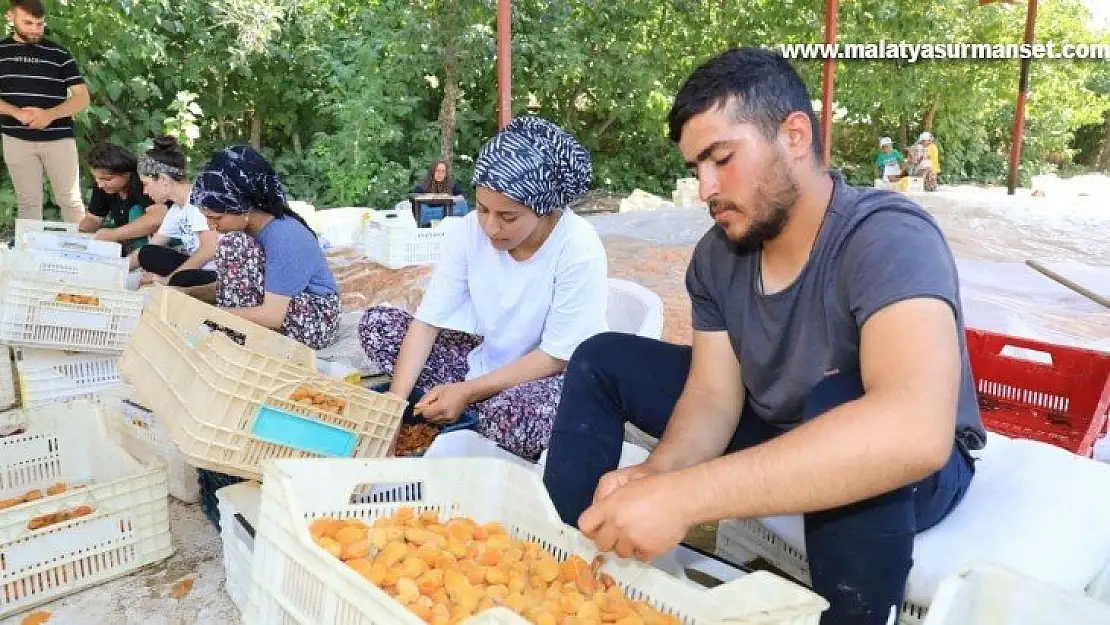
{"x":387,"y":492}
{"x":1024,"y":353}
{"x":208,"y":326}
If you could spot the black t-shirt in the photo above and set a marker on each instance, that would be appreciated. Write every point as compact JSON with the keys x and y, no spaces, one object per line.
{"x":115,"y":210}
{"x":39,"y":75}
{"x":455,"y":189}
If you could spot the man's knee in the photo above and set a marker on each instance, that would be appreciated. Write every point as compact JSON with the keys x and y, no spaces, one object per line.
{"x":860,"y":557}
{"x":597,"y":353}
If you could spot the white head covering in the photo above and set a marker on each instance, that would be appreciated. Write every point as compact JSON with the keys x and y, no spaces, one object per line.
{"x":885,"y":141}
{"x":925,"y":136}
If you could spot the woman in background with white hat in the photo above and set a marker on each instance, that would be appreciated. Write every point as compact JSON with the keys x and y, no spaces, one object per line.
{"x":889,"y":161}
{"x":928,"y":163}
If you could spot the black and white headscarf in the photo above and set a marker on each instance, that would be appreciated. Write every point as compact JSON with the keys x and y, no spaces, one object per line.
{"x":151,"y":168}
{"x":536,"y":163}
{"x":236,"y":180}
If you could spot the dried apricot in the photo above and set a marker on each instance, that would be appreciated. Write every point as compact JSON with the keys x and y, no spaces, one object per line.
{"x":347,"y":535}
{"x":329,"y":545}
{"x":356,"y":550}
{"x":362,"y":566}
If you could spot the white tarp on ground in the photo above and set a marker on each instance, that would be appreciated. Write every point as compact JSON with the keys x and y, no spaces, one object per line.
{"x":991,"y":235}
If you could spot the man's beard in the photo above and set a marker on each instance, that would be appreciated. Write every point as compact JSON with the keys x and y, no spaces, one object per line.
{"x":28,"y":39}
{"x":775,"y":193}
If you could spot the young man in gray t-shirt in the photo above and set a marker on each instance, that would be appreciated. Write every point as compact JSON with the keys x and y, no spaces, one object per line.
{"x":828,"y":374}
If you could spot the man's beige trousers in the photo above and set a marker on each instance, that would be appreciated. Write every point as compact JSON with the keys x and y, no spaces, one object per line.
{"x":26,"y":162}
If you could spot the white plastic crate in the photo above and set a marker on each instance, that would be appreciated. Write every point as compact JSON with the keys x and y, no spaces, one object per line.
{"x":341,"y":227}
{"x":990,"y":595}
{"x":128,"y":528}
{"x":294,"y":581}
{"x":67,"y":242}
{"x":47,"y":375}
{"x":23,"y":227}
{"x":742,"y":540}
{"x":239,"y":507}
{"x":41,"y":314}
{"x":137,"y":430}
{"x":7,"y":379}
{"x":229,"y":403}
{"x":393,"y":240}
{"x":67,"y":267}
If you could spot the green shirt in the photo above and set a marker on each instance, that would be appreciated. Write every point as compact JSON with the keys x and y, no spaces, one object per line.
{"x":884,"y":158}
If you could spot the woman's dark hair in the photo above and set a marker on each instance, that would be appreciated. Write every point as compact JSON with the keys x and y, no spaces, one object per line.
{"x":113,"y":158}
{"x":761,"y":86}
{"x":285,"y":210}
{"x":430,"y":184}
{"x":168,"y":151}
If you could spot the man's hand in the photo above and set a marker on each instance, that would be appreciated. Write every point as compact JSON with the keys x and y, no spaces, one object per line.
{"x":642,"y":518}
{"x":23,"y":115}
{"x":39,"y":118}
{"x":613,"y":480}
{"x":105,"y":234}
{"x":445,"y":403}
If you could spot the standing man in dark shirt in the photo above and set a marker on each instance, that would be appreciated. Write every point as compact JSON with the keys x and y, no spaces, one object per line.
{"x":119,"y":210}
{"x":829,"y":372}
{"x":40,"y":90}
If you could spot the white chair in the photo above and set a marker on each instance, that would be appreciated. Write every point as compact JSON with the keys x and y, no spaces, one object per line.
{"x":1035,"y":509}
{"x":985,"y":595}
{"x":637,"y":310}
{"x":634,"y":309}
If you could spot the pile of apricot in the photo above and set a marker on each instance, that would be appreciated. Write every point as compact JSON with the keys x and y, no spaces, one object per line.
{"x":446,"y":572}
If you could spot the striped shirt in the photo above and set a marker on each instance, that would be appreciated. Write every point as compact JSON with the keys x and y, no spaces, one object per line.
{"x":38,"y":75}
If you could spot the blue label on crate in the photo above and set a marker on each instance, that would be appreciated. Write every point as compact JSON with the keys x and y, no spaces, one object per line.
{"x":274,"y":425}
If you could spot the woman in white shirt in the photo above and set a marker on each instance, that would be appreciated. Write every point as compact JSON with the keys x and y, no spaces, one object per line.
{"x":520,"y":283}
{"x":162,"y":171}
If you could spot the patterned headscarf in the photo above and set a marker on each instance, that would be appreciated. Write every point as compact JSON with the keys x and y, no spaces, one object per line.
{"x":536,"y":163}
{"x":151,"y":168}
{"x":236,"y":180}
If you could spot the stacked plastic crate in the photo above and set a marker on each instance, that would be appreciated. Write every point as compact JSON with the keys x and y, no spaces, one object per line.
{"x":76,"y":509}
{"x":65,"y":312}
{"x":392,"y":239}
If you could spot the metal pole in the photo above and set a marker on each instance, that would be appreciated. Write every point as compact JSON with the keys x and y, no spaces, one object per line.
{"x":1019,"y":111}
{"x":832,"y":8}
{"x":504,"y":63}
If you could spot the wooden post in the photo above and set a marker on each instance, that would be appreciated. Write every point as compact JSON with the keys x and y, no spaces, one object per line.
{"x":832,"y":8}
{"x":1018,"y":130}
{"x":504,"y":63}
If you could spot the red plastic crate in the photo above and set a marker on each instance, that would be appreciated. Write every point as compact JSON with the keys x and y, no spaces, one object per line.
{"x":1064,"y":403}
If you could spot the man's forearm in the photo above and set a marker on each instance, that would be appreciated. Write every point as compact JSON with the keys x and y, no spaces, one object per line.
{"x":8,"y":109}
{"x":852,"y":453}
{"x":535,"y":365}
{"x":699,"y":429}
{"x":73,"y":105}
